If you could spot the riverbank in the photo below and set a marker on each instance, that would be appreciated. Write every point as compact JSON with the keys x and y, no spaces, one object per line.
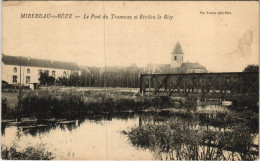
{"x":76,"y":103}
{"x":73,"y":103}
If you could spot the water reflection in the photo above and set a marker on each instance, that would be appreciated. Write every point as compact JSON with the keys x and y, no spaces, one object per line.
{"x":106,"y":136}
{"x":96,"y":137}
{"x":3,"y":126}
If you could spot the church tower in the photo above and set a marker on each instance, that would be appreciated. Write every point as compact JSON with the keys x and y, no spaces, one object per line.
{"x":177,"y":56}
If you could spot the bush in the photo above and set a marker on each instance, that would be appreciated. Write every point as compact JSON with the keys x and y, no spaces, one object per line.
{"x":7,"y":111}
{"x":177,"y":139}
{"x":29,"y":153}
{"x":4,"y":107}
{"x":72,"y":104}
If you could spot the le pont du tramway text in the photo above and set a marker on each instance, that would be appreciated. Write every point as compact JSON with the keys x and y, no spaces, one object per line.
{"x":95,"y":16}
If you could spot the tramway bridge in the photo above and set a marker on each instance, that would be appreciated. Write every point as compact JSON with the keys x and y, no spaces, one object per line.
{"x":229,"y":86}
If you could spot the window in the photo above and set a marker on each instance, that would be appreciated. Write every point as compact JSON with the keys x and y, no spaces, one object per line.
{"x":14,"y":79}
{"x":53,"y":73}
{"x":15,"y":70}
{"x":39,"y":72}
{"x":28,"y":70}
{"x":28,"y":79}
{"x":64,"y":74}
{"x":175,"y":57}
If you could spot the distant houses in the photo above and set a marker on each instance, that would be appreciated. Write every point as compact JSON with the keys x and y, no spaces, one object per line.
{"x":26,"y":70}
{"x":177,"y":64}
{"x":70,"y":74}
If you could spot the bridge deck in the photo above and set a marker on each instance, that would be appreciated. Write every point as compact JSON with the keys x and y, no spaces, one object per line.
{"x":235,"y":85}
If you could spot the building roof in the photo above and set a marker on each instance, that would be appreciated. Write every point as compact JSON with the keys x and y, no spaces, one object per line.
{"x":32,"y":62}
{"x":192,"y":66}
{"x":159,"y":65}
{"x":177,"y":49}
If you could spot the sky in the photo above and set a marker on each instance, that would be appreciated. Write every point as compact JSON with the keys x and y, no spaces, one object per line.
{"x":220,"y":42}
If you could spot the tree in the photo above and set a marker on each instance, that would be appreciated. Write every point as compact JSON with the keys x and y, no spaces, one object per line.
{"x":251,"y":68}
{"x":45,"y":79}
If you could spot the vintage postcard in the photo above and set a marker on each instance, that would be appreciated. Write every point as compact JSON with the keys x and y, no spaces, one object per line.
{"x":130,"y":80}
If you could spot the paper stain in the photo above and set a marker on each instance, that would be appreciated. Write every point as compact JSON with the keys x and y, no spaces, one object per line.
{"x":244,"y":44}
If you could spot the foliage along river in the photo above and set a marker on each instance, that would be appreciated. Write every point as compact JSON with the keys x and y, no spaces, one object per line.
{"x":96,"y":137}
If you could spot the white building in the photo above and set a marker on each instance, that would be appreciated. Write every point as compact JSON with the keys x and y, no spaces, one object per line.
{"x":26,"y":70}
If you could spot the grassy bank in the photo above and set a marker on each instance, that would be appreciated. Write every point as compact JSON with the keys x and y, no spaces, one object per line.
{"x":70,"y":104}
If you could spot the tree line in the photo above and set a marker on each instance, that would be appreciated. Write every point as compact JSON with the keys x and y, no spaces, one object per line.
{"x":97,"y":77}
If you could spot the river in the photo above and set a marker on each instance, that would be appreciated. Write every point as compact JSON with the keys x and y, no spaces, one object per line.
{"x":95,"y":137}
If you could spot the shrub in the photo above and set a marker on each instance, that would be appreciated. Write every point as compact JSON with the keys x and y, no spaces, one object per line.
{"x":73,"y":104}
{"x":7,"y":111}
{"x":29,"y":153}
{"x":4,"y":107}
{"x":177,"y":139}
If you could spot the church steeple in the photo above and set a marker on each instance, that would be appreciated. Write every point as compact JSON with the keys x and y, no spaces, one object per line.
{"x":177,"y":56}
{"x":177,"y":49}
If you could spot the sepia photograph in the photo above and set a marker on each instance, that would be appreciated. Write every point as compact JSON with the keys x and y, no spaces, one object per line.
{"x":130,"y":80}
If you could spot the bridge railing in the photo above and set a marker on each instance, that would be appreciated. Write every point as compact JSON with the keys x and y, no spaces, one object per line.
{"x":217,"y":85}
